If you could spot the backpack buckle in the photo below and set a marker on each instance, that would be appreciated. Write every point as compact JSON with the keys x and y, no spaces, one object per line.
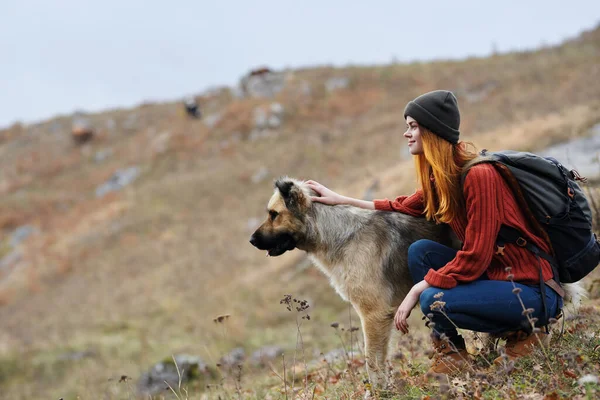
{"x":500,"y":250}
{"x":521,"y":242}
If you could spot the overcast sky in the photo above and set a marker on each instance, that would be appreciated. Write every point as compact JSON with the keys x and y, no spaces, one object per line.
{"x":60,"y":55}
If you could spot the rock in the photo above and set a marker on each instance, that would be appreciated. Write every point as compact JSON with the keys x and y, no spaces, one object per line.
{"x":102,"y":155}
{"x":338,"y":355}
{"x":119,"y":180}
{"x":260,"y":175}
{"x":10,"y":259}
{"x":22,"y":233}
{"x":190,"y":367}
{"x":277,"y":109}
{"x":336,"y":83}
{"x":267,"y":84}
{"x":260,"y":118}
{"x":274,"y":122}
{"x":267,"y":119}
{"x":262,"y":356}
{"x":581,"y":154}
{"x":233,"y":358}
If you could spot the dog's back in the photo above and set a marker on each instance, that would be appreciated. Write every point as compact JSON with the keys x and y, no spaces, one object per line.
{"x":395,"y":232}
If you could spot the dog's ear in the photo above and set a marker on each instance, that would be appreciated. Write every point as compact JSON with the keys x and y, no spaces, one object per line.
{"x":291,"y":193}
{"x":284,"y":187}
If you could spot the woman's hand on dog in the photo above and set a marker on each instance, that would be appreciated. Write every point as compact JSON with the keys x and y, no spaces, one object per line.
{"x":409,"y":302}
{"x":328,"y":196}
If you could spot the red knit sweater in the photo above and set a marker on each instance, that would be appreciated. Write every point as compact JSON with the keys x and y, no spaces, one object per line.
{"x":489,"y":203}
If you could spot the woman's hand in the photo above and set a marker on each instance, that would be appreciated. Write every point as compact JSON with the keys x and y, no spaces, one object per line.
{"x":409,"y":302}
{"x":328,"y":196}
{"x":400,"y":320}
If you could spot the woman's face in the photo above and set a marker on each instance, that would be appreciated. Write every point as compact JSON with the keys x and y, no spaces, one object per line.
{"x":413,"y":134}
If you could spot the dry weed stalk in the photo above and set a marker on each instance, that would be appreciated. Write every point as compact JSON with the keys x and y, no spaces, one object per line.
{"x":527,"y":313}
{"x":300,"y":306}
{"x":179,"y":375}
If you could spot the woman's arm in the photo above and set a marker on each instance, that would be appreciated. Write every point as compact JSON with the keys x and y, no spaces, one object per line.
{"x":409,"y":302}
{"x":328,"y":196}
{"x":412,"y":204}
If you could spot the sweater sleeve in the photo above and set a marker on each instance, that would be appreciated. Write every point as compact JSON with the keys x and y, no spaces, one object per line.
{"x":484,"y":216}
{"x":411,"y":205}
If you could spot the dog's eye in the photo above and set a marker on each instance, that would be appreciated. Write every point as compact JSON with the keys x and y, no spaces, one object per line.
{"x":273,"y":214}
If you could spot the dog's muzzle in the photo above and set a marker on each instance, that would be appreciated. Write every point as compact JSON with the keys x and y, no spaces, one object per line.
{"x":275,"y":245}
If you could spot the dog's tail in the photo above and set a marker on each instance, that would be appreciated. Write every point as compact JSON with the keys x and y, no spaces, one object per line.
{"x":575,"y":293}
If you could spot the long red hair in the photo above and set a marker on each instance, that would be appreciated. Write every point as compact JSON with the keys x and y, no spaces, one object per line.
{"x":439,"y":170}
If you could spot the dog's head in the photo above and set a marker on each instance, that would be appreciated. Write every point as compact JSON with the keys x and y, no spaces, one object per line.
{"x":285,"y":226}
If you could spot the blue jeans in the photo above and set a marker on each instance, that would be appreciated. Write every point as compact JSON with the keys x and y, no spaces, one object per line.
{"x":483,"y":305}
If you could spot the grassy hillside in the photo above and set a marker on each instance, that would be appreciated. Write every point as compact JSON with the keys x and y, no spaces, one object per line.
{"x":130,"y":278}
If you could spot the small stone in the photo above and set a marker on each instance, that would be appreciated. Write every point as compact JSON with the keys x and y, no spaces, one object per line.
{"x":336,"y":83}
{"x":102,"y":155}
{"x":233,"y":358}
{"x":119,"y":180}
{"x":22,"y":233}
{"x":190,"y":367}
{"x":265,"y":354}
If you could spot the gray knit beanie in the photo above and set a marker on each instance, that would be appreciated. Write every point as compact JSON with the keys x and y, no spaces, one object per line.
{"x":438,"y":112}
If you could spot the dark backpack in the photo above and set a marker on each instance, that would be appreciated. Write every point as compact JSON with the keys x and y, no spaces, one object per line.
{"x":556,"y":207}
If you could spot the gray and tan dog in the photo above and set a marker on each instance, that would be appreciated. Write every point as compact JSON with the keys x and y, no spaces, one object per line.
{"x":363,"y":252}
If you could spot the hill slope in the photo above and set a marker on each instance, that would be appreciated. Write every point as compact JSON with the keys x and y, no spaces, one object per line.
{"x":140,"y":273}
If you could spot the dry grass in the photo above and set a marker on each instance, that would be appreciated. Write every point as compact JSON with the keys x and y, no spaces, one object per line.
{"x":140,"y":274}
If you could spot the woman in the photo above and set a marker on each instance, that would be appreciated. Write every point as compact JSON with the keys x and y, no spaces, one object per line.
{"x":476,"y":289}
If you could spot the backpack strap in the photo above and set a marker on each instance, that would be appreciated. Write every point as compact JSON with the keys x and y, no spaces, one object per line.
{"x":515,"y":188}
{"x":509,"y":234}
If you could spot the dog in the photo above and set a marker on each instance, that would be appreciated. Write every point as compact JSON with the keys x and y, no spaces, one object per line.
{"x":363,"y":252}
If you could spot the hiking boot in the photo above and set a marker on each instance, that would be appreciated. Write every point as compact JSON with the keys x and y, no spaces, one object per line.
{"x":520,"y":344}
{"x":449,"y":357}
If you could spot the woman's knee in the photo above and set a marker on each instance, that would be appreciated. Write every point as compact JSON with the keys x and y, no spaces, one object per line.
{"x":427,"y":298}
{"x":418,"y":249}
{"x":416,"y":259}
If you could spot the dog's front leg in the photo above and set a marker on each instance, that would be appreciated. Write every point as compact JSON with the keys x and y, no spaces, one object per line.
{"x":376,"y":326}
